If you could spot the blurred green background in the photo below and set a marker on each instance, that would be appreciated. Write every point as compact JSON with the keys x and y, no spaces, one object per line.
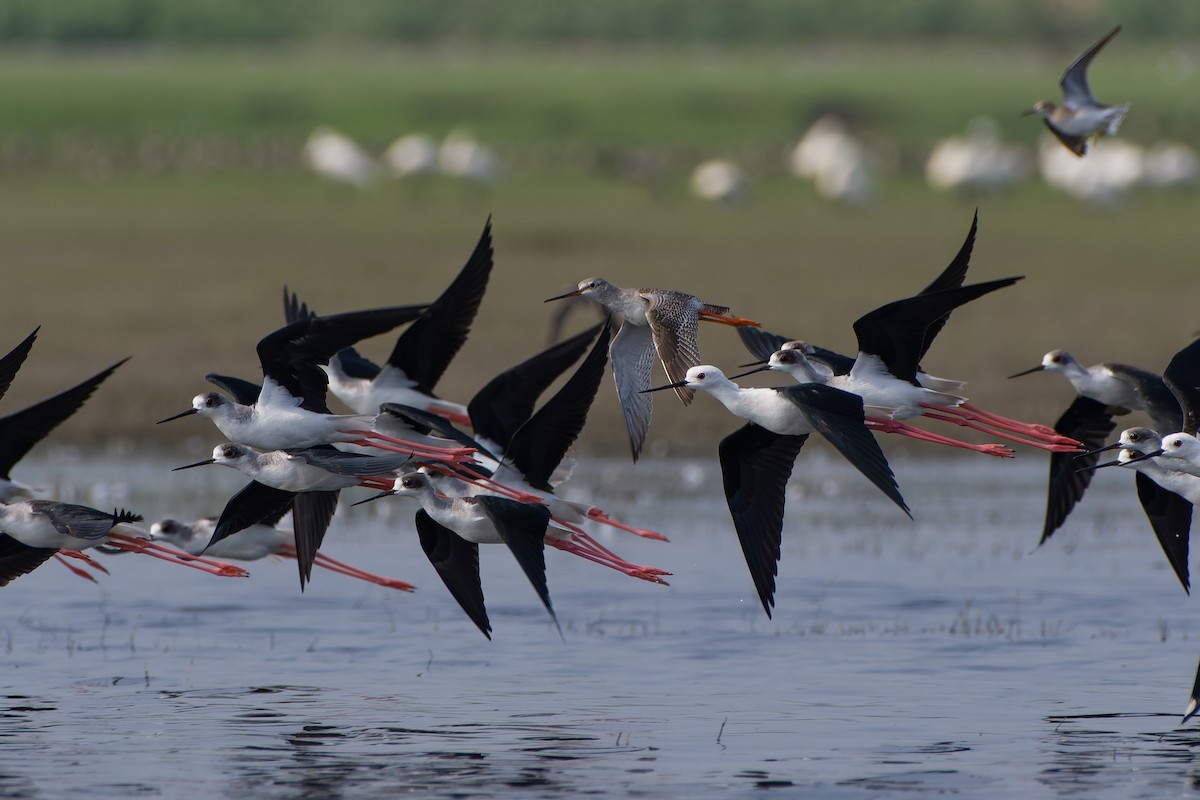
{"x":154,"y":199}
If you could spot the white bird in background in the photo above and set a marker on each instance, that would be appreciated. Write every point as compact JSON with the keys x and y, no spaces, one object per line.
{"x":339,"y":158}
{"x":462,"y":156}
{"x":720,"y":181}
{"x":1111,"y":170}
{"x":835,"y":161}
{"x":978,"y":161}
{"x":412,"y":155}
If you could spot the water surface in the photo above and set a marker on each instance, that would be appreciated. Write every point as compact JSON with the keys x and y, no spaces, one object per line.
{"x":942,"y":656}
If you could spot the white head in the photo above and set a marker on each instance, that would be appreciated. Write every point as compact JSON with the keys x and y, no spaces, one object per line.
{"x":183,"y":534}
{"x":1142,"y":440}
{"x":1181,"y":445}
{"x":795,"y":363}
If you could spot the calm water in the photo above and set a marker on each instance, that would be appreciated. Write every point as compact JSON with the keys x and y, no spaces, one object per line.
{"x":942,"y":656}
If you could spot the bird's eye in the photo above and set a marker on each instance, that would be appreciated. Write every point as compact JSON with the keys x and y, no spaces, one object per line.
{"x":1133,"y":437}
{"x":1176,"y":444}
{"x":211,"y":401}
{"x":230,"y":452}
{"x":699,"y":376}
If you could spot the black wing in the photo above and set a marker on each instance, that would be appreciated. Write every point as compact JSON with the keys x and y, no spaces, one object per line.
{"x":1074,"y":81}
{"x":522,"y":526}
{"x":1171,"y":517}
{"x":82,"y":522}
{"x":291,"y":355}
{"x":952,"y":277}
{"x":12,"y":361}
{"x":17,"y":559}
{"x":420,"y":421}
{"x":250,"y":506}
{"x":896,"y":332}
{"x":1182,"y":377}
{"x":311,"y":513}
{"x":353,"y":364}
{"x":760,"y":343}
{"x":1194,"y":701}
{"x":293,"y":309}
{"x":538,"y":446}
{"x":354,"y":465}
{"x":1090,"y":422}
{"x":506,"y":402}
{"x":457,"y":563}
{"x":755,"y":467}
{"x":20,"y":431}
{"x":838,"y":416}
{"x":243,"y":392}
{"x":425,"y":349}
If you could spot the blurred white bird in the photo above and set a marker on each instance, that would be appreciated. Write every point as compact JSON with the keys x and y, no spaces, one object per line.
{"x":462,"y":156}
{"x":979,"y":161}
{"x":720,"y":181}
{"x":338,"y":158}
{"x":1171,"y":164}
{"x":1112,"y":168}
{"x":414,"y":154}
{"x":836,"y":161}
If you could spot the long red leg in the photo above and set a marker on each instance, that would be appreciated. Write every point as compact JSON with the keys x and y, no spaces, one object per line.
{"x":211,"y":566}
{"x":968,"y":423}
{"x":600,"y":516}
{"x":973,"y":414}
{"x":82,"y":556}
{"x":424,"y":450}
{"x":737,"y":322}
{"x":333,"y":565}
{"x":884,"y":425}
{"x":619,"y":565}
{"x":74,"y":569}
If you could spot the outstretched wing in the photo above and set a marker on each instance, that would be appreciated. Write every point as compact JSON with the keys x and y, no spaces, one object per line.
{"x":897,"y":332}
{"x":1171,"y":518}
{"x":457,"y":563}
{"x":13,"y":359}
{"x":522,"y":526}
{"x":18,"y":559}
{"x":838,"y":416}
{"x":539,"y":446}
{"x":425,"y":349}
{"x":952,"y":277}
{"x":755,"y":467}
{"x":674,"y":321}
{"x":250,"y":506}
{"x":1077,"y":92}
{"x":20,"y":431}
{"x":311,"y":514}
{"x":1090,"y":422}
{"x":632,"y":354}
{"x":506,"y":402}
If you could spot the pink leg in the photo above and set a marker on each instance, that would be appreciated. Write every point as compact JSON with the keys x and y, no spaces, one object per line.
{"x":422,"y":450}
{"x":91,"y":562}
{"x":333,"y":565}
{"x":74,"y":569}
{"x":600,"y":516}
{"x":885,"y":425}
{"x":449,"y":412}
{"x":465,"y":474}
{"x":973,"y":414}
{"x":153,"y":550}
{"x":619,"y":565}
{"x":1053,"y":448}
